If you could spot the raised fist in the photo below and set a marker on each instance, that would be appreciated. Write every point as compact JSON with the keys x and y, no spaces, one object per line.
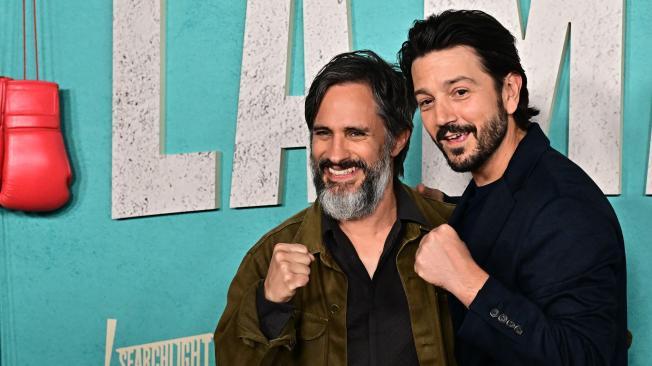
{"x":288,"y":270}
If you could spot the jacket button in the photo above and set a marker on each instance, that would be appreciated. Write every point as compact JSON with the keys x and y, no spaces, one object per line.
{"x":334,"y":308}
{"x":511,"y":324}
{"x":518,"y":330}
{"x":502,"y":318}
{"x":494,"y":312}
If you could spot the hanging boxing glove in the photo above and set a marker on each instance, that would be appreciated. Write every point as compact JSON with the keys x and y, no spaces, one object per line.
{"x":35,"y":174}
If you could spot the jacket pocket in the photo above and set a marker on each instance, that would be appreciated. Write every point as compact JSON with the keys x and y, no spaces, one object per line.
{"x":311,"y":327}
{"x":312,"y":342}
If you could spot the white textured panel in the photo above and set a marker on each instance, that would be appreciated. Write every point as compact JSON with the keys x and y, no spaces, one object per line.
{"x":595,"y":100}
{"x":144,"y":180}
{"x":596,"y":76}
{"x":268,"y":119}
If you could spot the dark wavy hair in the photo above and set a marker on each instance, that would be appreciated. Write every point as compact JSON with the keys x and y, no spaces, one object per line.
{"x":493,"y":44}
{"x":394,"y":102}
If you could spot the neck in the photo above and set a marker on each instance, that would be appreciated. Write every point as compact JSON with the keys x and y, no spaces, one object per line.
{"x":495,"y":166}
{"x":383,"y":216}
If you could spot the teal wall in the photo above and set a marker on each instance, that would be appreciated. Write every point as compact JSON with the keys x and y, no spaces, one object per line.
{"x":63,"y":274}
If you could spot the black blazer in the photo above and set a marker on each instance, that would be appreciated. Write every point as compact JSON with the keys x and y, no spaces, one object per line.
{"x":554,"y":251}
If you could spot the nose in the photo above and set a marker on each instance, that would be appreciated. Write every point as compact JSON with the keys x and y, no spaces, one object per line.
{"x":444,"y":112}
{"x":337,"y":150}
{"x":439,"y":115}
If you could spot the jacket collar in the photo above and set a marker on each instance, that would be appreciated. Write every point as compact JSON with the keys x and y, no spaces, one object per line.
{"x":406,"y":210}
{"x":310,"y":233}
{"x":500,"y":202}
{"x":526,"y":156}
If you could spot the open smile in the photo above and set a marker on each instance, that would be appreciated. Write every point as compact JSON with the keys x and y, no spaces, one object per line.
{"x":338,"y":174}
{"x":455,"y":138}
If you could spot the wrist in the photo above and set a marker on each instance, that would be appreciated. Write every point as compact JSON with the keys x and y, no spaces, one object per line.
{"x":470,"y":286}
{"x":270,"y":296}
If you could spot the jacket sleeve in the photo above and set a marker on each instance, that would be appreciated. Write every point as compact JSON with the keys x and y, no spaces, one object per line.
{"x":570,"y":273}
{"x":238,"y":337}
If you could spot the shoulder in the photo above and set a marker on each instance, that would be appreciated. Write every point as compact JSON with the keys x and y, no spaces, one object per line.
{"x":563,"y":176}
{"x":572,"y":222}
{"x":435,"y":212}
{"x":557,"y":181}
{"x":559,"y":202}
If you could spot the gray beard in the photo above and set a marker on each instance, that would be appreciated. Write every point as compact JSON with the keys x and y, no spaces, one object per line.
{"x":341,"y":204}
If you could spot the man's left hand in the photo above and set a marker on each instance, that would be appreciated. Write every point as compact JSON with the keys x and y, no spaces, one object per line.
{"x":444,"y":260}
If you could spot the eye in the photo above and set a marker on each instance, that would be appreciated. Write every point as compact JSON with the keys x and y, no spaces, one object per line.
{"x":356,"y":133}
{"x":461,"y":92}
{"x":425,"y":103}
{"x":320,"y":132}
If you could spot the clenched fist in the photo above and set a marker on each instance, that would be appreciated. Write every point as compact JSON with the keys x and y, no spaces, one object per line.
{"x":288,"y":270}
{"x":444,"y":260}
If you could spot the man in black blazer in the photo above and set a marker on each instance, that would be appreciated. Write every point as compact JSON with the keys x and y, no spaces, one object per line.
{"x":534,"y":257}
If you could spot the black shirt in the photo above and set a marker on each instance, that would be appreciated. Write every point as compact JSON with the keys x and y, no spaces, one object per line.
{"x":473,"y":207}
{"x":471,"y":210}
{"x":379,"y":331}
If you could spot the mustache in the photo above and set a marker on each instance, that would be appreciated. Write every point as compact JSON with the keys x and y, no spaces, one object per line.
{"x":454,"y":128}
{"x":344,"y":164}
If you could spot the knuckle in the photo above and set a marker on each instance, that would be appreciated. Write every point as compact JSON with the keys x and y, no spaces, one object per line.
{"x":284,"y":267}
{"x":302,"y":280}
{"x":279,"y":256}
{"x":287,"y":278}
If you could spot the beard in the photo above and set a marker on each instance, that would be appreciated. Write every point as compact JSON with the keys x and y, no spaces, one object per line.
{"x":488,"y":139}
{"x":338,"y":201}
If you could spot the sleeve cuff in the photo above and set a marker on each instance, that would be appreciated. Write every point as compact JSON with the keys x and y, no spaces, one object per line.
{"x":493,"y":306}
{"x":272,"y":316}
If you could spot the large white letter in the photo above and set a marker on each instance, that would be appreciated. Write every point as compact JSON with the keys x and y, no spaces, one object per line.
{"x":145,"y":181}
{"x":595,"y":108}
{"x":268,"y":119}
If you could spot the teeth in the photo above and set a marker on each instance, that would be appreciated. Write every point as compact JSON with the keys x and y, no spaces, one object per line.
{"x":454,"y":136}
{"x":341,"y":172}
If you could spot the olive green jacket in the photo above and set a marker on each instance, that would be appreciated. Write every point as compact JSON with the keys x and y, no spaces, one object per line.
{"x":316,"y":333}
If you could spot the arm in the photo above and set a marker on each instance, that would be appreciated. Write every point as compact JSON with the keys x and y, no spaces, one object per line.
{"x":240,"y":334}
{"x":436,"y":194}
{"x":567,"y":310}
{"x":570,"y":274}
{"x":238,"y":337}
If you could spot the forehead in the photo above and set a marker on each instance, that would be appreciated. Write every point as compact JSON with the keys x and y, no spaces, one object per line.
{"x":348,"y":105}
{"x":439,"y":68}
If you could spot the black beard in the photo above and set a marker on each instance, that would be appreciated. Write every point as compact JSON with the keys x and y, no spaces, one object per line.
{"x":488,"y":141}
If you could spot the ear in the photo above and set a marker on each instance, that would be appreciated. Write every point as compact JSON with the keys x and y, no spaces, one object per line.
{"x":511,"y":91}
{"x":401,"y":141}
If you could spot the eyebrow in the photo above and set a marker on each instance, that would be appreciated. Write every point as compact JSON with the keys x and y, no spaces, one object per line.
{"x":447,"y":83}
{"x":458,"y":79}
{"x":346,"y":129}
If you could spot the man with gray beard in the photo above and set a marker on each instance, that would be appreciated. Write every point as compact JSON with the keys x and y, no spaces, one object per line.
{"x":335,"y":284}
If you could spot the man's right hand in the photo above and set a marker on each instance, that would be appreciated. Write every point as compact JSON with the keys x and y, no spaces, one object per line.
{"x":288,"y":270}
{"x":432,"y":193}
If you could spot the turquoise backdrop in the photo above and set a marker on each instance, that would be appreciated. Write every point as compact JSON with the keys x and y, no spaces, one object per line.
{"x":63,"y":274}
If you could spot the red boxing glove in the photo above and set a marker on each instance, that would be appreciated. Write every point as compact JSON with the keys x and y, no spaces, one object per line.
{"x":35,"y":170}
